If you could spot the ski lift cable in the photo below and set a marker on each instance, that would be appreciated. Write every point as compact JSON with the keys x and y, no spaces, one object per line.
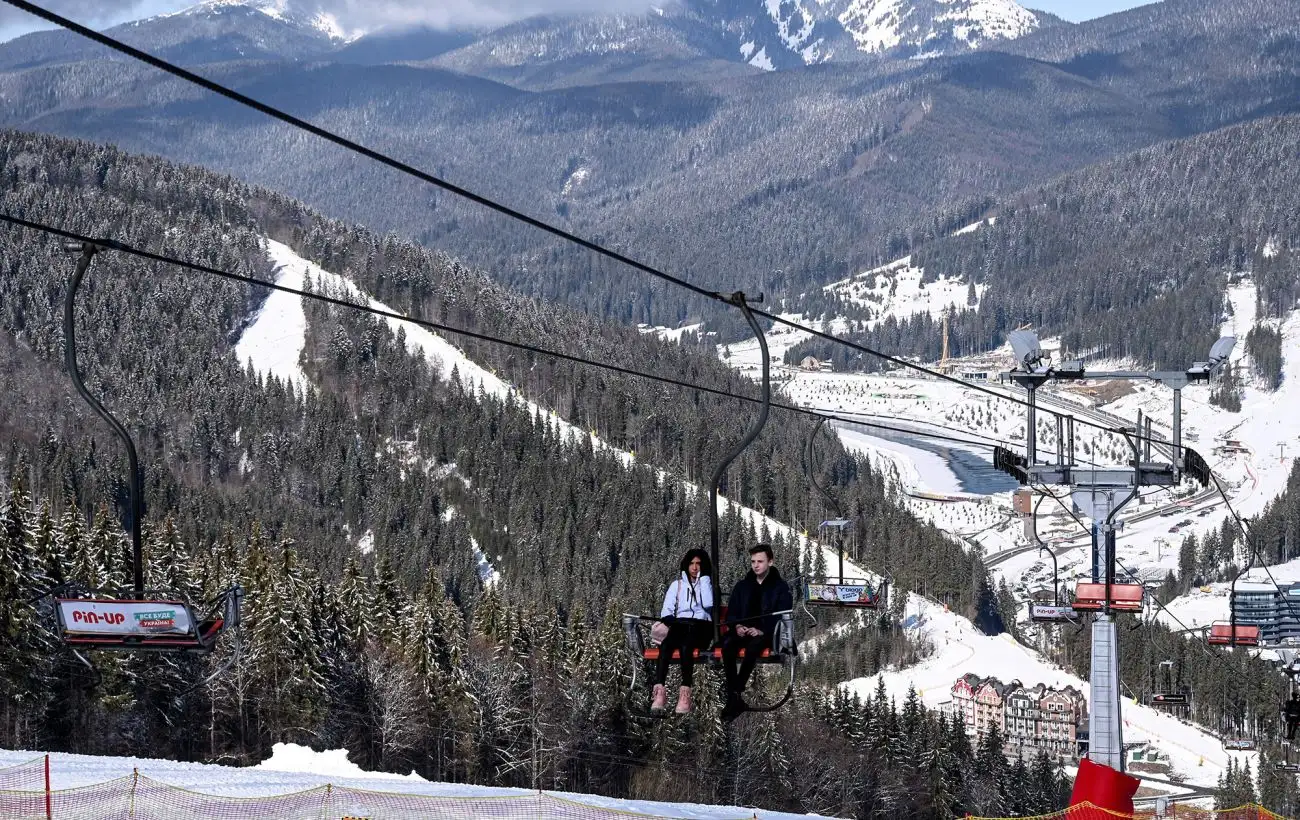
{"x":1252,"y":545}
{"x":1161,"y":607}
{"x":1048,"y":493}
{"x":438,"y":326}
{"x":505,"y":210}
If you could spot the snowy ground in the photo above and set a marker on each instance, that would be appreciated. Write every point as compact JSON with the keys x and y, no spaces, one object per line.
{"x":958,"y":648}
{"x":294,"y":768}
{"x":896,"y":290}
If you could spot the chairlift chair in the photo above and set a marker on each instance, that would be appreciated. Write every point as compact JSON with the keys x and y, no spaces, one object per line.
{"x":1230,"y":633}
{"x":1117,"y":597}
{"x":839,"y":591}
{"x":1170,"y":694}
{"x":157,"y":621}
{"x":783,"y":652}
{"x":135,"y":619}
{"x":1227,"y":633}
{"x":1055,"y":612}
{"x":643,"y":655}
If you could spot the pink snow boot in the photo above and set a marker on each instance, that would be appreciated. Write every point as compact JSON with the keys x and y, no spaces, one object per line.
{"x":683,"y":700}
{"x":660,"y":700}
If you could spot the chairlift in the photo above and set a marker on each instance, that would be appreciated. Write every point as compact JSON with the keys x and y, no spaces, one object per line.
{"x":1230,"y":633}
{"x":782,"y":657}
{"x":1170,"y":694}
{"x":839,"y":591}
{"x":1055,"y":612}
{"x":135,"y":619}
{"x":1089,"y":597}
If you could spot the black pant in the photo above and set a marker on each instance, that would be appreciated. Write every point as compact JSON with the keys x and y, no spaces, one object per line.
{"x":732,"y":643}
{"x":1291,"y":724}
{"x":686,"y":634}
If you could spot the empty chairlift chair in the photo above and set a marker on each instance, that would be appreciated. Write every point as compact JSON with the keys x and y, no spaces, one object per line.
{"x":135,"y":619}
{"x":1122,"y":597}
{"x":1227,"y":633}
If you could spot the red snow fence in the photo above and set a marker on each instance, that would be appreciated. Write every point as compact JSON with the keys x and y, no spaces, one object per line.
{"x":25,"y":794}
{"x":1087,"y":811}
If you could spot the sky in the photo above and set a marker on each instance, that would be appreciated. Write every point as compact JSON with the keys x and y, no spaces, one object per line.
{"x":1079,"y":10}
{"x":442,"y":14}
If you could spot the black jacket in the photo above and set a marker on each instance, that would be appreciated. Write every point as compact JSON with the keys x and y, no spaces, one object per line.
{"x":776,"y":598}
{"x":1292,"y":710}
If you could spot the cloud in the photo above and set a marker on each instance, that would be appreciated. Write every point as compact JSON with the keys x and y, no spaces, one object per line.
{"x":91,"y":12}
{"x":96,"y":13}
{"x":371,"y":14}
{"x":351,"y":15}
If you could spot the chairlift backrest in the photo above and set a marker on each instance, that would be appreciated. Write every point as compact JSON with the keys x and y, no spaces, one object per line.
{"x":1052,"y":613}
{"x":161,"y":623}
{"x":1226,"y":634}
{"x":1123,"y":597}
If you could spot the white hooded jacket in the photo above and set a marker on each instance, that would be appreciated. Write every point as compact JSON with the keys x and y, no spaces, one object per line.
{"x":681,"y":603}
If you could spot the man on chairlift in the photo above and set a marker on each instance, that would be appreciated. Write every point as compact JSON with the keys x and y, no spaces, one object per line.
{"x":1292,"y":714}
{"x":750,"y":616}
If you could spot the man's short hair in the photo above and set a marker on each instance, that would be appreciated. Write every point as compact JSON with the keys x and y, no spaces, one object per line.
{"x":767,"y":548}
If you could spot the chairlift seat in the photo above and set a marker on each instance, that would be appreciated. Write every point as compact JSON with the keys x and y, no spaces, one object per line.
{"x":95,"y":619}
{"x":1123,"y":597}
{"x":1225,"y":633}
{"x":635,"y":628}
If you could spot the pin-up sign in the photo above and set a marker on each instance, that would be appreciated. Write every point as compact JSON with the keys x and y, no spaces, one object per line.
{"x":126,"y":618}
{"x":1052,"y":612}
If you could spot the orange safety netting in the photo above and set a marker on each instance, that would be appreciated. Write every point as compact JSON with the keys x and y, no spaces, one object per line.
{"x":25,"y":777}
{"x":137,"y":797}
{"x":1087,"y":811}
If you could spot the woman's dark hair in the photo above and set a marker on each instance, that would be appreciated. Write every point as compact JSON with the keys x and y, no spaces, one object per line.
{"x":706,"y":566}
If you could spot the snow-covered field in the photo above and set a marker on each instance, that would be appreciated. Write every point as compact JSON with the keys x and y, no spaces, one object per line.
{"x":294,"y":768}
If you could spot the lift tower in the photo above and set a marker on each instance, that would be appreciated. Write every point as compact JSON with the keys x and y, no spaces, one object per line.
{"x":1100,"y":493}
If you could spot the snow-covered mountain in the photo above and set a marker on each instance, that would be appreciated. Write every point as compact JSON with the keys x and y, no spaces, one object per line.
{"x":932,"y":27}
{"x":815,"y":31}
{"x":766,"y":34}
{"x":307,"y":14}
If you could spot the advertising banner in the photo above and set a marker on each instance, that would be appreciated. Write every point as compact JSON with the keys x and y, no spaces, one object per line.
{"x":1050,"y":612}
{"x":842,"y":593}
{"x":126,"y":618}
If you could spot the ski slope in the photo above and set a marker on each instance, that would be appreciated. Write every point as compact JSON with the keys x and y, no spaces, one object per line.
{"x":958,"y":648}
{"x":293,"y":768}
{"x":274,"y":342}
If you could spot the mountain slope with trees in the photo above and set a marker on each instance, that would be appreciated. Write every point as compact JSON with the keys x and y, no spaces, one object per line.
{"x":1095,"y":254}
{"x":776,"y":182}
{"x":401,"y":654}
